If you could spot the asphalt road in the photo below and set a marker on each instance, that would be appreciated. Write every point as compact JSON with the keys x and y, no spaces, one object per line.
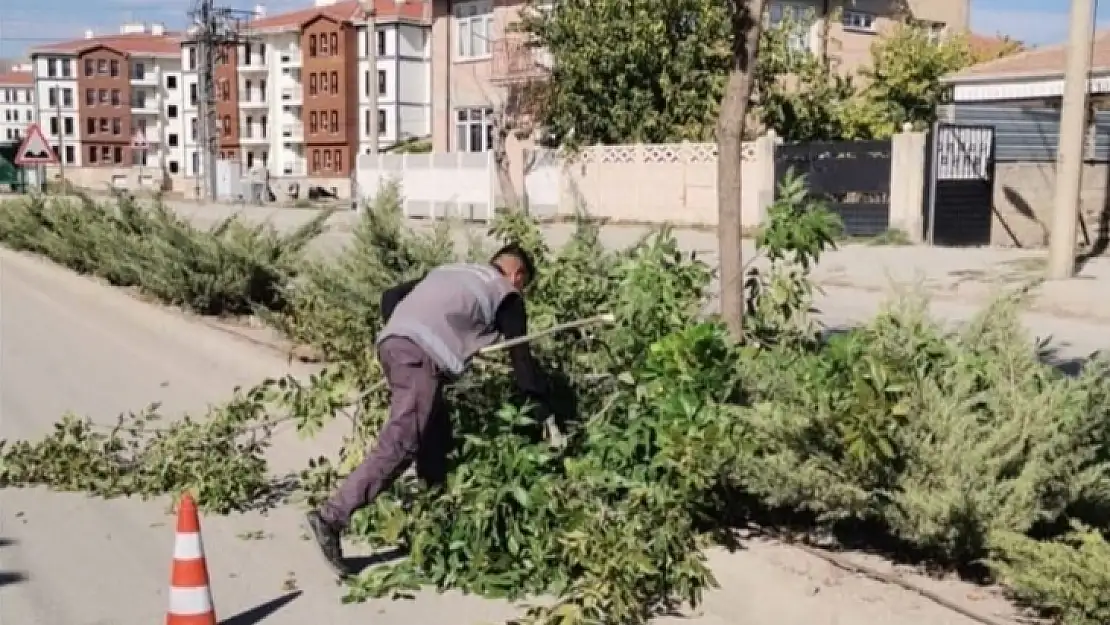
{"x":67,"y":343}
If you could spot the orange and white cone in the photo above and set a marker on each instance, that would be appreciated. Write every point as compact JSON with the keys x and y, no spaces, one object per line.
{"x":190,"y":594}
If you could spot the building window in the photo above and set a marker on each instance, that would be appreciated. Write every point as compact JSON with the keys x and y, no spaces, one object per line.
{"x":193,"y":94}
{"x":171,"y":111}
{"x":106,"y":153}
{"x":102,"y":67}
{"x":67,"y":126}
{"x":71,"y":154}
{"x":934,"y":30}
{"x":138,"y":71}
{"x":52,"y":96}
{"x":102,"y":95}
{"x":117,"y":126}
{"x":315,"y":161}
{"x":90,"y":67}
{"x":174,"y":167}
{"x":227,"y":125}
{"x":90,"y":125}
{"x":312,"y":45}
{"x":116,"y":97}
{"x":194,"y":157}
{"x":67,"y":98}
{"x":800,"y":15}
{"x":327,"y":160}
{"x":335,"y":122}
{"x":104,"y":125}
{"x":92,"y":154}
{"x":193,"y":129}
{"x":90,"y":97}
{"x":54,"y":125}
{"x":858,"y":21}
{"x":114,"y":69}
{"x":338,"y":160}
{"x":190,"y":59}
{"x":335,"y":82}
{"x":381,"y":123}
{"x":473,"y":29}
{"x":262,"y":90}
{"x":117,"y":155}
{"x":312,"y":84}
{"x":171,"y":82}
{"x":334,"y":44}
{"x":381,"y":43}
{"x":474,"y":129}
{"x":172,"y":140}
{"x":313,"y":122}
{"x":52,"y":68}
{"x":381,"y":82}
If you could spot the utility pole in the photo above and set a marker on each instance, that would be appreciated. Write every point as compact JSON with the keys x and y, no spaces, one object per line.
{"x":1072,"y":141}
{"x":214,"y":31}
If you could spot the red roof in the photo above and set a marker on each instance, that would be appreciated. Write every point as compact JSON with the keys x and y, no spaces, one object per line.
{"x":349,"y":10}
{"x":18,"y":79}
{"x":138,"y":44}
{"x":1037,"y":62}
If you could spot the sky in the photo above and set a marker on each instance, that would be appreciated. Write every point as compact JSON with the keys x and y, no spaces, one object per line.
{"x":25,"y":23}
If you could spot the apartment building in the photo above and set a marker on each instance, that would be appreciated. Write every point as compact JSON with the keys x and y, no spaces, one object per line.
{"x":111,"y":102}
{"x":297,"y":98}
{"x":478,"y":59}
{"x":17,"y":103}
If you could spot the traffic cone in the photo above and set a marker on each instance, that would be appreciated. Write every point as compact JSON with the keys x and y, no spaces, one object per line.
{"x":190,"y":595}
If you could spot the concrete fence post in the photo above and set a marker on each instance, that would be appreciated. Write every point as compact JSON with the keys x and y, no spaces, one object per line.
{"x":907,"y":182}
{"x":763,"y":166}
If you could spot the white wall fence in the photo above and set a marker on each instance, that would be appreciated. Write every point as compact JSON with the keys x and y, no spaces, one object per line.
{"x":434,"y":186}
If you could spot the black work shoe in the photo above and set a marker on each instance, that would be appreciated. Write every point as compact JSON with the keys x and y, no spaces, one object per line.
{"x":327,"y":538}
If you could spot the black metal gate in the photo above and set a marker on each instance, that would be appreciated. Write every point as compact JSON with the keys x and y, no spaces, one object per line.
{"x":959,"y":185}
{"x":852,"y":176}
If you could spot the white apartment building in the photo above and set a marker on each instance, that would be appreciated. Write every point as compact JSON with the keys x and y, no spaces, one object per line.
{"x":17,"y":103}
{"x":271,"y":88}
{"x":112,"y":102}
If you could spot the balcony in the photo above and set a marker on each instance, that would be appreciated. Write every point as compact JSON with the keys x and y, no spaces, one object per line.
{"x":292,"y":96}
{"x":514,"y":61}
{"x":145,"y":106}
{"x":253,"y":65}
{"x":292,"y":132}
{"x":290,"y":57}
{"x":253,"y":100}
{"x":145,"y":76}
{"x":253,"y":136}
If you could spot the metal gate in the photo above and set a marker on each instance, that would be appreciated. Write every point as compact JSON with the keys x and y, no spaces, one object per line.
{"x":959,"y":192}
{"x":852,"y":176}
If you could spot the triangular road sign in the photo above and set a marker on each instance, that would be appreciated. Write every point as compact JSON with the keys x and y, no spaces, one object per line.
{"x":35,"y":150}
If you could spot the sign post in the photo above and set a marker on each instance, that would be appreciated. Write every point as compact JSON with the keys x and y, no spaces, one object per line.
{"x":35,"y":150}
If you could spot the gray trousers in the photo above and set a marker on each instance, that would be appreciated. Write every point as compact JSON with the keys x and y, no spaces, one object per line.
{"x":418,"y":429}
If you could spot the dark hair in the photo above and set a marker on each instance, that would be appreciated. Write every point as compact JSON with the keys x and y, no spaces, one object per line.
{"x":518,"y":252}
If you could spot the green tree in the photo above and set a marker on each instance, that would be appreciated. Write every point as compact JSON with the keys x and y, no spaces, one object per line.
{"x":903,"y":81}
{"x":647,"y":71}
{"x":797,"y":93}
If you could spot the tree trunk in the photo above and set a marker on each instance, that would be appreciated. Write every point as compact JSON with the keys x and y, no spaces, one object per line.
{"x":502,"y":127}
{"x":746,"y":29}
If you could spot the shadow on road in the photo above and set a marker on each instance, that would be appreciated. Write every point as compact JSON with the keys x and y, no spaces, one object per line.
{"x":7,"y":578}
{"x":259,"y":613}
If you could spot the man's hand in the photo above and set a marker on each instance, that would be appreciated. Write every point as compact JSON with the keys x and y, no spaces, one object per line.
{"x":552,"y":433}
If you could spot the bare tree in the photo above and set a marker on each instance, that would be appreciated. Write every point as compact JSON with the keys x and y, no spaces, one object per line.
{"x":747,"y":26}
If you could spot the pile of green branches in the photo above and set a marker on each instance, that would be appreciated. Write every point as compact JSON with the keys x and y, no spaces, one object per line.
{"x":962,"y":447}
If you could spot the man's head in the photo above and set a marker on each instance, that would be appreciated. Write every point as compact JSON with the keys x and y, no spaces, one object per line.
{"x":515,"y":264}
